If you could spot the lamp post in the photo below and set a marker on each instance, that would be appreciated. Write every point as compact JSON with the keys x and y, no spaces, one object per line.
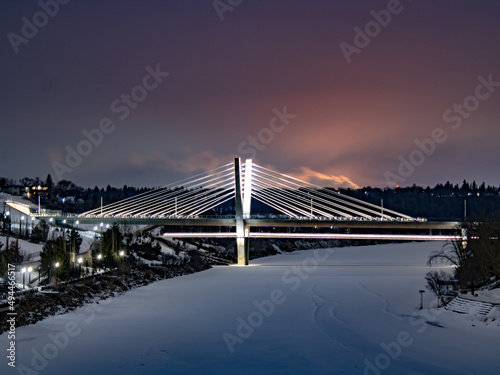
{"x":21,"y":226}
{"x":80,"y":260}
{"x":24,"y":276}
{"x":30,"y":269}
{"x":421,"y":298}
{"x":57,"y":266}
{"x":121,"y":254}
{"x":470,"y":254}
{"x":7,"y":219}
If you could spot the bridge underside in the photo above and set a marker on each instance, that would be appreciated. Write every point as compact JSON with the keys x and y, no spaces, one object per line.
{"x":322,"y":236}
{"x":260,"y":222}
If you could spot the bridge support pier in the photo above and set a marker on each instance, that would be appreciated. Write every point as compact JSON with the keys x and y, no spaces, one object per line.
{"x":243,"y":248}
{"x":242,"y":240}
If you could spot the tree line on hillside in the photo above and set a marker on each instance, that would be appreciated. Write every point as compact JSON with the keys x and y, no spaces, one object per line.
{"x":444,"y":201}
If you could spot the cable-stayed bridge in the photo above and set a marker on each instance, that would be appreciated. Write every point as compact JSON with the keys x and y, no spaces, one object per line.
{"x":301,"y":210}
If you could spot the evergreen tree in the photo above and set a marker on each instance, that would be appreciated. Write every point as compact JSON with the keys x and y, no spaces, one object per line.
{"x":465,"y":186}
{"x":6,"y":224}
{"x":40,"y":232}
{"x":74,"y":241}
{"x":110,"y":245}
{"x":55,"y":252}
{"x":13,"y":252}
{"x":48,"y":182}
{"x":3,"y":261}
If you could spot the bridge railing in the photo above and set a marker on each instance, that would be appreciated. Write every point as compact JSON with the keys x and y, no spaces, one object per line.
{"x":58,"y":214}
{"x":337,"y":218}
{"x":173,"y":216}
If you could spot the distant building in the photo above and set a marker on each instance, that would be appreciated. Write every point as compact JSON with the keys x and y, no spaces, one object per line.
{"x":34,"y":192}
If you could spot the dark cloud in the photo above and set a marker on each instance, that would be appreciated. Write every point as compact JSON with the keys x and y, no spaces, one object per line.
{"x":354,"y":120}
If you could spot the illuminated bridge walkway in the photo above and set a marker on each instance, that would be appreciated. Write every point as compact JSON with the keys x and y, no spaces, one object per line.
{"x":304,"y":210}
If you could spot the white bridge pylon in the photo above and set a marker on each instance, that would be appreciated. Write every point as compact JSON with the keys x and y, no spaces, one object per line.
{"x":292,"y":198}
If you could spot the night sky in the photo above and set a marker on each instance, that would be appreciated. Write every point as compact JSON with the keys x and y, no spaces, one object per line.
{"x":175,"y":88}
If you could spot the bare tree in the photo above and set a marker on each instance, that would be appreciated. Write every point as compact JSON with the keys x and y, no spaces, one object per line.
{"x":476,"y":258}
{"x":453,"y":252}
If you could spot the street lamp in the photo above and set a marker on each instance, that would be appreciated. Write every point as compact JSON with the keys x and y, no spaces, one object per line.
{"x":421,"y":298}
{"x":80,"y":260}
{"x":57,"y":266}
{"x":24,"y":276}
{"x":470,"y":255}
{"x":30,"y":269}
{"x":122,"y":253}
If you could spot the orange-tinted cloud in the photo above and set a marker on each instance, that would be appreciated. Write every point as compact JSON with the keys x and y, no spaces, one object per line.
{"x":323,"y":179}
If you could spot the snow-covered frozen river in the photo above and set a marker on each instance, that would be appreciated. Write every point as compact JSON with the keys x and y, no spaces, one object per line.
{"x":338,"y":311}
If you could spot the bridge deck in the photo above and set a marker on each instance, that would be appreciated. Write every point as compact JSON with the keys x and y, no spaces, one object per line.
{"x":261,"y":222}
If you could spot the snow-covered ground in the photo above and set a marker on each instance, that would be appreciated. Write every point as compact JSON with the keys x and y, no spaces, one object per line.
{"x":24,"y":246}
{"x":339,"y":311}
